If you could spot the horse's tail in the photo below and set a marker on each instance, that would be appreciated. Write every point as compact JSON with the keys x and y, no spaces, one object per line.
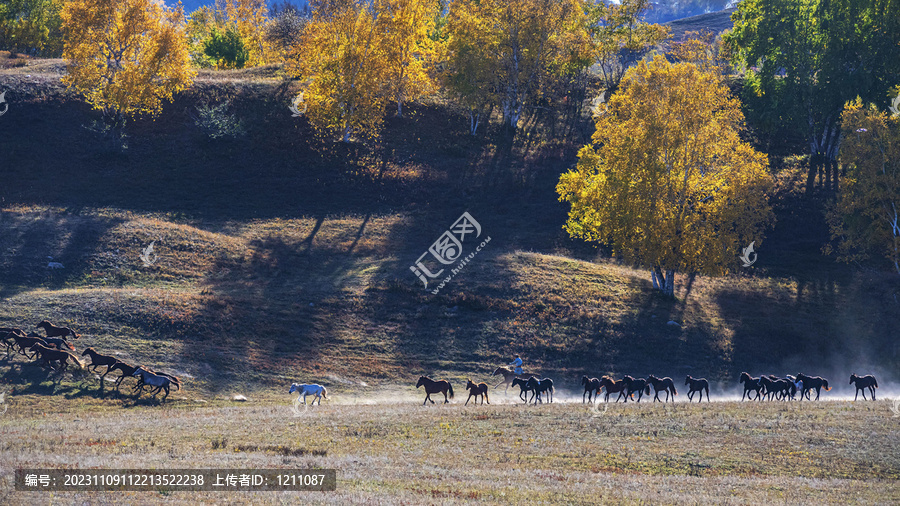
{"x":450,"y":387}
{"x":324,"y":393}
{"x":79,"y":363}
{"x":875,"y":381}
{"x":674,"y":390}
{"x":825,"y":382}
{"x":648,"y":389}
{"x":70,"y":345}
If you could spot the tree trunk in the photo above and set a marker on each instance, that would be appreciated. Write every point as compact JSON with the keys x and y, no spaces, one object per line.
{"x":670,"y":283}
{"x":656,"y":282}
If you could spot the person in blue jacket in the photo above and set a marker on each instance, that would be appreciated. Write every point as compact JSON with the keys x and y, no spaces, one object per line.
{"x":517,"y":364}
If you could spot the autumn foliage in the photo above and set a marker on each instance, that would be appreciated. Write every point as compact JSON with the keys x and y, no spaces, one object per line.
{"x":667,"y":182}
{"x":126,"y":57}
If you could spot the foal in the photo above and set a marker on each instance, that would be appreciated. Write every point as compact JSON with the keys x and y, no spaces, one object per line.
{"x":479,"y":390}
{"x":591,"y":385}
{"x":862,"y":383}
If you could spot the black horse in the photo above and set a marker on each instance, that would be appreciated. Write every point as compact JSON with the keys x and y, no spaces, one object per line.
{"x":862,"y":383}
{"x":662,"y":384}
{"x":525,"y":386}
{"x":696,"y":385}
{"x":635,"y":385}
{"x":541,"y":386}
{"x":810,"y":382}
{"x":591,"y":385}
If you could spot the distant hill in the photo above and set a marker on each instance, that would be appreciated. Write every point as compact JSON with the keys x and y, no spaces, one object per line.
{"x":716,"y":22}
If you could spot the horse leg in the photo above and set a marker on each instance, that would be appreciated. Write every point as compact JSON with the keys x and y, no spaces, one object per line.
{"x":446,"y":400}
{"x":485,"y":398}
{"x":872,"y":389}
{"x":467,"y":400}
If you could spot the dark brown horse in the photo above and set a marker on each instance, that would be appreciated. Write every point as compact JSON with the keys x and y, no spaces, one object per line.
{"x":612,"y":386}
{"x":100,"y":360}
{"x":26,"y":342}
{"x":635,"y":385}
{"x":127,"y":372}
{"x":810,"y":382}
{"x":591,"y":385}
{"x":50,"y":355}
{"x":433,"y":387}
{"x":479,"y":390}
{"x":751,"y":384}
{"x":862,"y":383}
{"x":666,"y":385}
{"x":696,"y":385}
{"x":54,"y":331}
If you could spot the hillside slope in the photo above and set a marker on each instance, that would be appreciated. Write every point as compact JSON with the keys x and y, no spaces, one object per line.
{"x":281,"y":256}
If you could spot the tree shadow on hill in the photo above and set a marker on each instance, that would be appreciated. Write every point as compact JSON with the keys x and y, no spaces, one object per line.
{"x":33,"y":240}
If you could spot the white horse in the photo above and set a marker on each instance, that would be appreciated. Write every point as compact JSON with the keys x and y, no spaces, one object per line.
{"x":158,"y":380}
{"x":304,"y":390}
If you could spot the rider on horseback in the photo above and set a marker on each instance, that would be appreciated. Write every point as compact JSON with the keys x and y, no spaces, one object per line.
{"x":517,"y":363}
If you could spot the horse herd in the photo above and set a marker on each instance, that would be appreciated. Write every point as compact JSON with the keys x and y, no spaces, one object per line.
{"x":55,"y":352}
{"x":767,"y":387}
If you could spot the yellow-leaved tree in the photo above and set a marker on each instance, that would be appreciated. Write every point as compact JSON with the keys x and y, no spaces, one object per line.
{"x":521,"y":45}
{"x":344,"y":62}
{"x":126,"y":57}
{"x":865,"y":218}
{"x":410,"y":50}
{"x":667,"y":182}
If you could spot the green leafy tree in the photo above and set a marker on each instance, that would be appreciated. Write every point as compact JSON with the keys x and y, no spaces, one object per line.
{"x":31,"y":26}
{"x":226,"y":49}
{"x":805,"y":58}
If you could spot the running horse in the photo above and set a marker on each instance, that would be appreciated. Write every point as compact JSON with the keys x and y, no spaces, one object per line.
{"x":160,"y":381}
{"x":539,"y":387}
{"x":479,"y":390}
{"x":525,"y":386}
{"x":52,"y":355}
{"x":508,"y":376}
{"x":591,"y":385}
{"x":751,"y":384}
{"x":100,"y":360}
{"x":666,"y":385}
{"x":862,"y":383}
{"x":303,"y":390}
{"x":612,"y":386}
{"x":635,"y":385}
{"x":810,"y":382}
{"x":433,"y":387}
{"x":54,"y":331}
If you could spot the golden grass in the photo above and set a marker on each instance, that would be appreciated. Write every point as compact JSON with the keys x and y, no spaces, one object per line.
{"x":400,"y":451}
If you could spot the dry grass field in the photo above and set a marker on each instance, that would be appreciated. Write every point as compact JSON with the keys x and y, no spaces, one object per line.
{"x":396,"y":451}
